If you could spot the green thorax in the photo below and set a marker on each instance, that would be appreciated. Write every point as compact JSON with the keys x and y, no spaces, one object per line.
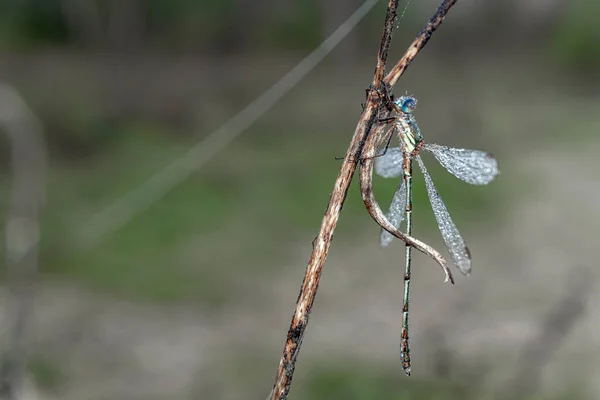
{"x":409,"y":132}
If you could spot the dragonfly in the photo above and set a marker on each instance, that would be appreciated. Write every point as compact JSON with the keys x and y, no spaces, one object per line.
{"x":472,"y":166}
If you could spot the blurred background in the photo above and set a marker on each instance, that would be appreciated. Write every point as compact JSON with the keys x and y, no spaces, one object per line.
{"x":187,"y":292}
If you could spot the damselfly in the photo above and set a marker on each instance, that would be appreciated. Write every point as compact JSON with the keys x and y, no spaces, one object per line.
{"x":472,"y":166}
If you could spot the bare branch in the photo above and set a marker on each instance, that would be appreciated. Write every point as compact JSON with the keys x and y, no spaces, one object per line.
{"x":419,"y":42}
{"x":321,"y":245}
{"x":378,"y":136}
{"x":322,"y":242}
{"x":386,"y":40}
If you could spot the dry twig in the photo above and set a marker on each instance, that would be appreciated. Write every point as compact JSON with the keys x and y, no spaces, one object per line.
{"x":378,"y":92}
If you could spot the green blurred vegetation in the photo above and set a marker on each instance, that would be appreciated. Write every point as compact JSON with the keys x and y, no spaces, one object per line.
{"x":360,"y":381}
{"x":266,"y":193}
{"x":223,"y":26}
{"x":98,"y":158}
{"x":218,"y":204}
{"x":29,"y":24}
{"x":47,"y":373}
{"x":575,"y":41}
{"x":352,"y":383}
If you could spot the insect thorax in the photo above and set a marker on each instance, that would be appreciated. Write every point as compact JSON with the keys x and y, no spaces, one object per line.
{"x":409,"y":132}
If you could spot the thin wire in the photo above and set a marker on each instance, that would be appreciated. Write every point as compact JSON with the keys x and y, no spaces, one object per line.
{"x":404,"y":11}
{"x":120,"y":212}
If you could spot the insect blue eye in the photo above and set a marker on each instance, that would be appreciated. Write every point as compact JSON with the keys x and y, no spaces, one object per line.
{"x":409,"y":105}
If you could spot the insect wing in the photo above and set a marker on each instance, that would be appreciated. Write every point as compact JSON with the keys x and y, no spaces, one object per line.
{"x":389,"y":165}
{"x":396,"y":213}
{"x":454,"y":241}
{"x":472,"y":166}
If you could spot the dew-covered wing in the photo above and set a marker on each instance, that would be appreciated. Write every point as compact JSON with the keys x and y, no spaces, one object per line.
{"x":396,"y":213}
{"x":389,"y":165}
{"x":454,"y":241}
{"x":472,"y":166}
